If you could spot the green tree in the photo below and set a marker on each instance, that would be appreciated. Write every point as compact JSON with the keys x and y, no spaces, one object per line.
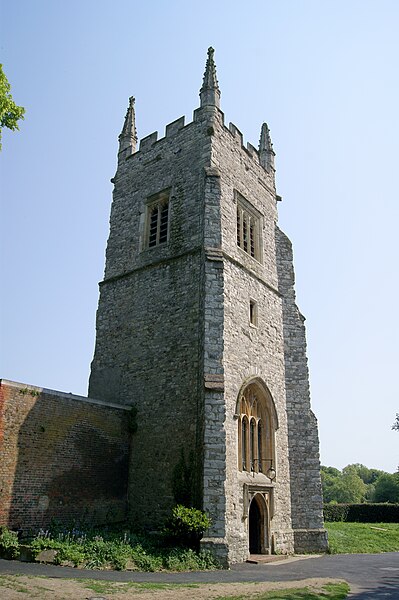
{"x":10,"y":113}
{"x":369,"y":476}
{"x":329,"y":478}
{"x":332,"y":471}
{"x":387,"y":488}
{"x":342,"y":487}
{"x":352,"y":488}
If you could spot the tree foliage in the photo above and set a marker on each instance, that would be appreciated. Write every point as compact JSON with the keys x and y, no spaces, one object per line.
{"x":10,"y":113}
{"x":387,"y":488}
{"x":356,"y":483}
{"x":343,"y":487}
{"x":186,"y":526}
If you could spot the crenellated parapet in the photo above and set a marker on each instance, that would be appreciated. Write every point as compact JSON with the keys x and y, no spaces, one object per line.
{"x":148,"y":141}
{"x":264,"y":157}
{"x":174,"y":127}
{"x":208,"y":117}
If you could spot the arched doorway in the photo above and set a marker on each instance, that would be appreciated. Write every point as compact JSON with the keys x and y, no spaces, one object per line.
{"x":258,"y":526}
{"x":255,"y":546}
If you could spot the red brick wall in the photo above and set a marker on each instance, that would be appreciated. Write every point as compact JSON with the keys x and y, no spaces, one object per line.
{"x":61,"y":456}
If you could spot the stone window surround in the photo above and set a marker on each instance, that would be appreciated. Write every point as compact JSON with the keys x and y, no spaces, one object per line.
{"x":256,"y":443}
{"x":253,"y":313}
{"x":249,"y":228}
{"x":160,"y":199}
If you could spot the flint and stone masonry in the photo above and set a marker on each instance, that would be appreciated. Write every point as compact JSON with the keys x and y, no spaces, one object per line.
{"x":198,"y":329}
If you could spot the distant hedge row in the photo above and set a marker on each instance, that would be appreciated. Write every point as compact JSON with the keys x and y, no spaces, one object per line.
{"x":362,"y":513}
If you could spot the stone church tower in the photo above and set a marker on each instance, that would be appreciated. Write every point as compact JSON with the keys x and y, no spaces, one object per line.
{"x":197,"y":328}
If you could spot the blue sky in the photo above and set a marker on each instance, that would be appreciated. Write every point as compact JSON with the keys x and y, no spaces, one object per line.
{"x":323,"y":74}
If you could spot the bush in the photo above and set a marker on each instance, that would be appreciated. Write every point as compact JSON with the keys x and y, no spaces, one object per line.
{"x":186,"y":526}
{"x":362,"y":513}
{"x":146,"y":560}
{"x":188,"y":560}
{"x":9,"y":544}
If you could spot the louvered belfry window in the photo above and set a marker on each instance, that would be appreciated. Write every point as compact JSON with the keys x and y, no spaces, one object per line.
{"x":248,"y":228}
{"x":158,"y":220}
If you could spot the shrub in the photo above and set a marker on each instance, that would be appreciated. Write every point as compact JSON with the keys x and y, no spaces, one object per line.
{"x":73,"y":553}
{"x":9,"y":544}
{"x":335,"y":512}
{"x":362,"y":513}
{"x":145,"y":561}
{"x":186,"y":526}
{"x":98,"y":549}
{"x":44,"y":541}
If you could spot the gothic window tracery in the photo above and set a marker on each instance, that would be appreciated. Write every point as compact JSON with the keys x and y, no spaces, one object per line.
{"x":255,"y":432}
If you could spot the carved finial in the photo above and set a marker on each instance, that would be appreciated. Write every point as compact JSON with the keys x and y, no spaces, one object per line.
{"x":210,"y":92}
{"x":266,"y":152}
{"x":128,"y":135}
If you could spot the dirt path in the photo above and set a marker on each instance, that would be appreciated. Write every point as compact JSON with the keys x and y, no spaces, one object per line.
{"x":19,"y":587}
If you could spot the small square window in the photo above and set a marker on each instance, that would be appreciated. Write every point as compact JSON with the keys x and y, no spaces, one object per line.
{"x":157,"y":220}
{"x":253,"y":313}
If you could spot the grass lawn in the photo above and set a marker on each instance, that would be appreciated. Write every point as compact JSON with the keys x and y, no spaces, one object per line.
{"x":365,"y":538}
{"x":331,"y":591}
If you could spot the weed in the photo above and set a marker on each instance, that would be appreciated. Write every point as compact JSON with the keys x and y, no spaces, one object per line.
{"x":9,"y":544}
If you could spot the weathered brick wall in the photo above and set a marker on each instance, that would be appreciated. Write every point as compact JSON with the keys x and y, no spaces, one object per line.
{"x":62,"y":457}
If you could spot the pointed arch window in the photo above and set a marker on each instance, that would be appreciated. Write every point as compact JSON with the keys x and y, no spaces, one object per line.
{"x":260,"y":445}
{"x":253,"y":455}
{"x":256,"y":427}
{"x":244,"y":445}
